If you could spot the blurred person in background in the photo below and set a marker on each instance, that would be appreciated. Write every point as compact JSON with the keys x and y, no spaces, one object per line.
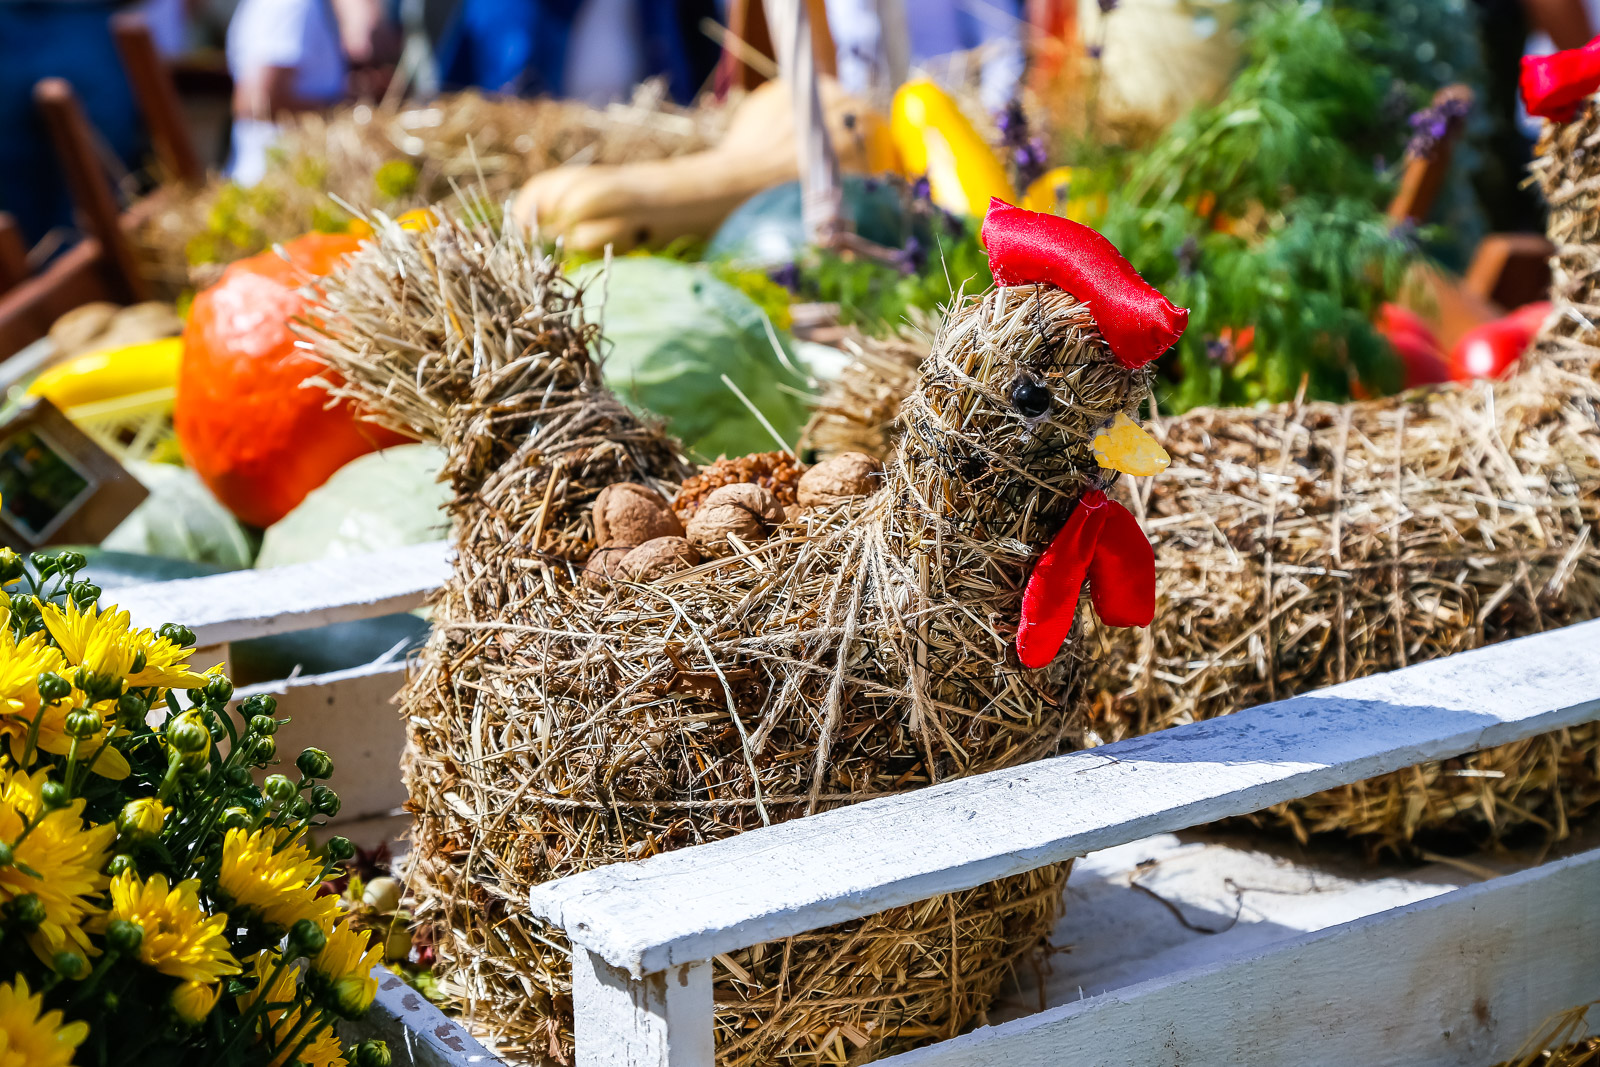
{"x":934,"y":28}
{"x":68,"y":39}
{"x":593,"y":50}
{"x":291,"y":55}
{"x":1507,"y":24}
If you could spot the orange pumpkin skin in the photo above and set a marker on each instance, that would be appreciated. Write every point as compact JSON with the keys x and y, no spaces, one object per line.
{"x":256,"y":436}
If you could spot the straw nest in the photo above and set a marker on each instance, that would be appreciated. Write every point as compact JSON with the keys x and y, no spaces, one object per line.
{"x":861,"y":648}
{"x":1304,"y":545}
{"x":401,"y":158}
{"x":1554,"y":1045}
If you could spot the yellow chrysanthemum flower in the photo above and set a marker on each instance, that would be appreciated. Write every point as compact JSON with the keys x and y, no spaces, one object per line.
{"x":278,"y":883}
{"x":343,"y":970}
{"x":66,"y":856}
{"x":180,"y":939}
{"x":21,"y":663}
{"x":100,"y":640}
{"x":193,"y":1001}
{"x":94,"y":751}
{"x":28,"y":1039}
{"x":323,"y":1050}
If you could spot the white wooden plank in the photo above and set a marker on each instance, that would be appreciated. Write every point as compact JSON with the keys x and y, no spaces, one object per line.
{"x":775,"y":882}
{"x":244,"y":604}
{"x":418,"y":1034}
{"x":662,"y":1021}
{"x":351,"y":716}
{"x":1459,"y":980}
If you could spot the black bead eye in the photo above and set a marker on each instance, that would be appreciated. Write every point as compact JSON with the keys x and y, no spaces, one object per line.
{"x":1030,"y":397}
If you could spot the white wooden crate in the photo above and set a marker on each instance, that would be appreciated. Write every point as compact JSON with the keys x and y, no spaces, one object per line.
{"x":1460,"y":978}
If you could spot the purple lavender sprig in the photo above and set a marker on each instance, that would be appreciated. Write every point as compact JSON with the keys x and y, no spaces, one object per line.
{"x":1026,"y":154}
{"x":1431,"y":125}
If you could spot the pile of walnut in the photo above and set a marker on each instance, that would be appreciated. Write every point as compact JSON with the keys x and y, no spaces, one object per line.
{"x":639,"y":537}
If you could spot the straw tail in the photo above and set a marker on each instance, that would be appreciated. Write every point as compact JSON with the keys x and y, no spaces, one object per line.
{"x":1567,"y":169}
{"x":467,"y":335}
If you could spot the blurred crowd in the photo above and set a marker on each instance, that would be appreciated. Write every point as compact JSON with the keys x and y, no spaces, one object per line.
{"x":291,"y":55}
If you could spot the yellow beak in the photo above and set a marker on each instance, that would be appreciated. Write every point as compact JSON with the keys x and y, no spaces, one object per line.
{"x":1124,"y":447}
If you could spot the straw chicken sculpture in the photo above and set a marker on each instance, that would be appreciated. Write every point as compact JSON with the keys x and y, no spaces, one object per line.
{"x":607,"y":681}
{"x":1306,"y":544}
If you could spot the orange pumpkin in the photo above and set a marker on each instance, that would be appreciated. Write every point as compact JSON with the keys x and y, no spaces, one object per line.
{"x":248,"y":426}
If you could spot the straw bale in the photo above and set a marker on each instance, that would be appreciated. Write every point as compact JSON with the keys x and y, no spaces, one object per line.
{"x":1307,"y":544}
{"x":862,"y":649}
{"x":467,"y":140}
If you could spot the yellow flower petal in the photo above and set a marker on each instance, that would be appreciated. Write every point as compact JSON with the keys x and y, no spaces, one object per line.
{"x":1124,"y":446}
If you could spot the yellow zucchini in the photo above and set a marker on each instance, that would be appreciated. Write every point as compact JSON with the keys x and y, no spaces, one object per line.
{"x":933,"y":137}
{"x":110,"y":373}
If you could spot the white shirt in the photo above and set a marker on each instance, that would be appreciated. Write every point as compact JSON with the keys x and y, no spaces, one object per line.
{"x":300,"y":34}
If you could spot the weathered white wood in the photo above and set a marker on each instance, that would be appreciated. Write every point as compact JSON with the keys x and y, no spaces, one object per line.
{"x":417,"y":1033}
{"x":660,"y":1020}
{"x":776,"y":882}
{"x":351,"y":716}
{"x":244,"y":604}
{"x":1459,"y":980}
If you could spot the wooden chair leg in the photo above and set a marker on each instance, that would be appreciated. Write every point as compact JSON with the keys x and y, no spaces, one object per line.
{"x":74,"y":144}
{"x":13,"y":254}
{"x":1424,"y":177}
{"x":1511,"y":269}
{"x":157,"y":97}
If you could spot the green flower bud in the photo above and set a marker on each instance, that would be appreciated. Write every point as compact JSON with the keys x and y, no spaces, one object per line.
{"x":178,"y":635}
{"x":6,"y":855}
{"x":260,"y":704}
{"x":235,"y":818}
{"x":324,"y":801}
{"x":142,"y":819}
{"x":140,"y":661}
{"x":186,"y":733}
{"x":27,"y":911}
{"x":265,"y":725}
{"x":10,"y":566}
{"x":339,"y":849}
{"x":124,"y":936}
{"x":55,"y":795}
{"x":69,"y":562}
{"x":53,"y":687}
{"x":263,"y":749}
{"x":219,"y":689}
{"x":120,"y":863}
{"x":97,"y":686}
{"x":372,"y":1053}
{"x":215,"y":727}
{"x":306,"y":938}
{"x":85,"y":593}
{"x":82,"y":722}
{"x":69,"y":964}
{"x":132,"y":708}
{"x":44,"y":563}
{"x":279,"y":789}
{"x":315,"y":763}
{"x":24,"y":606}
{"x":238,"y":777}
{"x":300,"y":808}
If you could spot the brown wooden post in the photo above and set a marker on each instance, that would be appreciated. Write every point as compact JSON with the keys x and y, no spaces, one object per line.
{"x":13,"y":254}
{"x":91,"y":192}
{"x":1424,"y":176}
{"x":157,"y":96}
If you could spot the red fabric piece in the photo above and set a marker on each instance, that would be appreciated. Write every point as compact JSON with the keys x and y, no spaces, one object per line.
{"x":1122,"y":574}
{"x":1553,"y":86}
{"x":1026,"y":247}
{"x":1102,"y":542}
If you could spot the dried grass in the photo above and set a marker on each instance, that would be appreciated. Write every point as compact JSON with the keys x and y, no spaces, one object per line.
{"x":468,"y":140}
{"x":1307,"y":544}
{"x":864,"y":650}
{"x":1554,"y":1044}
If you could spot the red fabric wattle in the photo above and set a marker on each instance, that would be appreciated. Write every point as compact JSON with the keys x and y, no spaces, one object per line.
{"x":1026,"y":247}
{"x":1553,"y":86}
{"x":1122,"y":573}
{"x":1102,"y":542}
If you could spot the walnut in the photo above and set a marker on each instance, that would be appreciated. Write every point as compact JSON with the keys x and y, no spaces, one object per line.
{"x":744,"y":509}
{"x":842,"y":477}
{"x":626,"y":513}
{"x":604,"y":563}
{"x":777,"y":471}
{"x":657,"y":558}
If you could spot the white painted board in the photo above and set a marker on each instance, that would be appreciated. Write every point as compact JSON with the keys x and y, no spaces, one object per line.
{"x":1459,"y":980}
{"x":244,"y":604}
{"x":776,"y":882}
{"x":417,"y":1033}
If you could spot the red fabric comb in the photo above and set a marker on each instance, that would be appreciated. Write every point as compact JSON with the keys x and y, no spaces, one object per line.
{"x":1553,"y":86}
{"x":1135,"y":319}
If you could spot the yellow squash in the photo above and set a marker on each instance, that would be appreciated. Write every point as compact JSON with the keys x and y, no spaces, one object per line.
{"x":1051,"y":192}
{"x":111,"y":373}
{"x":933,"y":137}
